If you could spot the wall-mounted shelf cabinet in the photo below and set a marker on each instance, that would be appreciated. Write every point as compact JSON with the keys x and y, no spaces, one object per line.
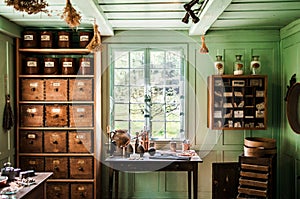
{"x":237,"y":102}
{"x":56,"y":124}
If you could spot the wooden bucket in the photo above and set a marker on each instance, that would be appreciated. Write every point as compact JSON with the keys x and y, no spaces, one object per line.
{"x":259,"y":147}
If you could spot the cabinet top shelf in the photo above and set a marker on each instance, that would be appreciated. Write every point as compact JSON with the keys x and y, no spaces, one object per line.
{"x":239,"y":76}
{"x":56,"y":50}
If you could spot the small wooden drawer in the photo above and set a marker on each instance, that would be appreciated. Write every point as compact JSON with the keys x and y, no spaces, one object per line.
{"x":81,"y":167}
{"x":55,"y":141}
{"x":81,"y":89}
{"x":57,"y":190}
{"x":56,"y":115}
{"x":31,"y":141}
{"x":81,"y":115}
{"x":82,"y":191}
{"x":80,"y":141}
{"x":32,"y":163}
{"x":56,"y":89}
{"x":57,"y":165}
{"x":32,"y":115}
{"x":32,"y":89}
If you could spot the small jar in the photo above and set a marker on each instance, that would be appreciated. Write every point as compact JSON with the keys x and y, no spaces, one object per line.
{"x":29,"y":39}
{"x":238,"y":65}
{"x":32,"y":66}
{"x":219,"y":65}
{"x":255,"y":65}
{"x":67,"y":66}
{"x":84,"y":39}
{"x":50,"y":66}
{"x":46,"y":39}
{"x":85,"y":66}
{"x":64,"y":39}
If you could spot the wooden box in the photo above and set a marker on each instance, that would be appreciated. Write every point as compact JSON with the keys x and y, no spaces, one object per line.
{"x":56,"y":89}
{"x":57,"y":190}
{"x":57,"y":165}
{"x":32,"y":115}
{"x":81,"y":89}
{"x":80,"y":142}
{"x":81,"y":167}
{"x":82,"y":190}
{"x":32,"y":89}
{"x":56,"y":115}
{"x":55,"y":141}
{"x":81,"y":116}
{"x":32,"y":163}
{"x":31,"y":141}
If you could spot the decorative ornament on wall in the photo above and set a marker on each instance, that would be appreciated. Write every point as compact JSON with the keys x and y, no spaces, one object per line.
{"x":71,"y":16}
{"x":29,"y":6}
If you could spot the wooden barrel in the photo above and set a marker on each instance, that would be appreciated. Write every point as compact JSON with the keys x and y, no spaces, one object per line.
{"x":85,"y":66}
{"x":50,"y":66}
{"x":64,"y":39}
{"x":258,"y":147}
{"x":29,"y":39}
{"x":31,"y":65}
{"x":46,"y":39}
{"x":68,"y":66}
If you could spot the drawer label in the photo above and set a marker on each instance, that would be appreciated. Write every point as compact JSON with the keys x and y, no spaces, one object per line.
{"x":80,"y":110}
{"x":31,"y":110}
{"x":31,"y":136}
{"x":80,"y":162}
{"x":28,"y":37}
{"x":49,"y":64}
{"x":79,"y":136}
{"x":31,"y":64}
{"x":63,"y":38}
{"x":84,"y":38}
{"x":81,"y":188}
{"x":45,"y":37}
{"x":80,"y":83}
{"x":55,"y":110}
{"x":56,"y":84}
{"x":85,"y":64}
{"x":55,"y":162}
{"x":32,"y":162}
{"x":57,"y":188}
{"x":35,"y":84}
{"x":67,"y":64}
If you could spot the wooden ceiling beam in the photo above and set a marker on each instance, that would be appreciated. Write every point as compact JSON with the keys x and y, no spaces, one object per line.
{"x":210,"y":13}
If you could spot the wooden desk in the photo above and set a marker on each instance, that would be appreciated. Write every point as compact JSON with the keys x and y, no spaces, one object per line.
{"x":35,"y":191}
{"x":117,"y":164}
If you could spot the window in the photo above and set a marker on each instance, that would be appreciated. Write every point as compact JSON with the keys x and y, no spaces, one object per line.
{"x":147,"y":91}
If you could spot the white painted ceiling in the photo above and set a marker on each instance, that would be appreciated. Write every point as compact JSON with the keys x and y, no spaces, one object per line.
{"x":113,"y":15}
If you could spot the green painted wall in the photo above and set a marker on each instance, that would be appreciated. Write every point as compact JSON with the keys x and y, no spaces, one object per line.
{"x":289,"y":163}
{"x":213,"y":146}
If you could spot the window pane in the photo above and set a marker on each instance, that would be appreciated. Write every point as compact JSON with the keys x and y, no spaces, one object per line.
{"x":121,"y":77}
{"x":157,"y":77}
{"x":157,"y":59}
{"x":137,"y":77}
{"x":137,"y":112}
{"x":121,"y":59}
{"x":173,"y":130}
{"x":121,"y":112}
{"x":157,"y":95}
{"x":121,"y":125}
{"x":136,"y":127}
{"x":121,"y":94}
{"x":158,"y":112}
{"x":172,"y":77}
{"x":158,"y":130}
{"x":137,"y":94}
{"x":137,"y":59}
{"x":173,"y":59}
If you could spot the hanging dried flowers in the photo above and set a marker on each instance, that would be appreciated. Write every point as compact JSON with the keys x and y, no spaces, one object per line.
{"x":95,"y":44}
{"x":70,"y":15}
{"x":29,"y":6}
{"x":203,"y":49}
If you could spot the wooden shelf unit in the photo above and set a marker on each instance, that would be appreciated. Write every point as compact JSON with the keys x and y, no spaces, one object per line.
{"x":237,"y":102}
{"x":61,"y":161}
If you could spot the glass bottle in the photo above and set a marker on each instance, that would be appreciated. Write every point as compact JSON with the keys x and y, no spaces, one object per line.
{"x":255,"y":65}
{"x":238,"y":65}
{"x":219,"y":65}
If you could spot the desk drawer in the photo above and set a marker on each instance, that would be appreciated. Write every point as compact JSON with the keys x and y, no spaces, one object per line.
{"x":57,"y":165}
{"x":57,"y":190}
{"x":82,"y":191}
{"x":81,"y":167}
{"x":31,"y":141}
{"x":55,"y":141}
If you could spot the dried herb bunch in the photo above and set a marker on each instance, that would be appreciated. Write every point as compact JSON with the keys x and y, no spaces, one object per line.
{"x":95,"y":44}
{"x":29,"y":6}
{"x":70,"y":15}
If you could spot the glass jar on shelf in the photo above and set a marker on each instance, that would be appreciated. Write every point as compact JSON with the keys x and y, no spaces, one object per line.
{"x":238,"y":65}
{"x":219,"y":65}
{"x":255,"y":65}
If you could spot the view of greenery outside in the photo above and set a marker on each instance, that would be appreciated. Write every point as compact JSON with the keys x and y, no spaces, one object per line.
{"x":147,"y":91}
